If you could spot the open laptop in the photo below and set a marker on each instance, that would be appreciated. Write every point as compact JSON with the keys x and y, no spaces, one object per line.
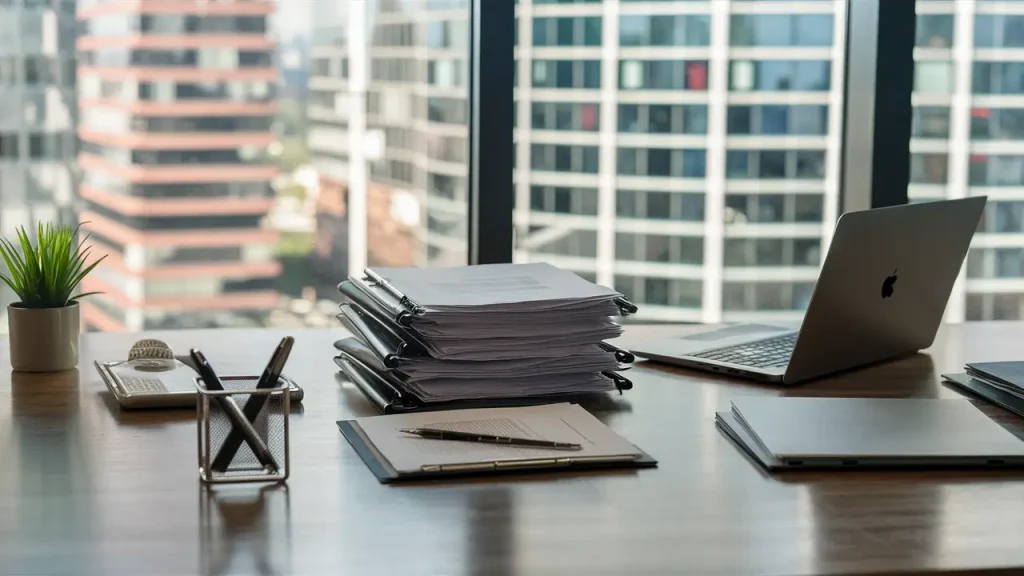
{"x":880,"y":294}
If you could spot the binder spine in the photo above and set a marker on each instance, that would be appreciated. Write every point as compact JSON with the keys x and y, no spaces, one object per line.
{"x":625,"y":306}
{"x":623,"y":356}
{"x":621,"y":382}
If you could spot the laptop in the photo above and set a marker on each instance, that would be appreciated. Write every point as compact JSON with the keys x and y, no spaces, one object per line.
{"x":881,"y":294}
{"x":796,"y":433}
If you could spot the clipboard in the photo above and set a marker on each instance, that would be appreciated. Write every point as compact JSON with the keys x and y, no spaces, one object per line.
{"x":393,"y":345}
{"x":400,"y":308}
{"x":389,"y":395}
{"x":385,"y":473}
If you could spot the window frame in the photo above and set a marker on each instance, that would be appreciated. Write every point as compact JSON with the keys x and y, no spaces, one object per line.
{"x":877,"y":109}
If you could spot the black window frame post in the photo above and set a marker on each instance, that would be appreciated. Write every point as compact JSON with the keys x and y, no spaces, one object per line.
{"x":491,"y":192}
{"x":877,"y":108}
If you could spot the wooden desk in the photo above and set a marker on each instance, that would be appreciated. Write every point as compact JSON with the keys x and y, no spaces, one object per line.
{"x":87,"y":490}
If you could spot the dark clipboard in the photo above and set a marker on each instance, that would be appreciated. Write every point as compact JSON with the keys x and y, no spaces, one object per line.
{"x":403,"y":309}
{"x":390,"y":343}
{"x":385,"y":474}
{"x":390,"y":396}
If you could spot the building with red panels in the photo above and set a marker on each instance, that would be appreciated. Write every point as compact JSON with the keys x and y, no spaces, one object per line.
{"x":177,"y":99}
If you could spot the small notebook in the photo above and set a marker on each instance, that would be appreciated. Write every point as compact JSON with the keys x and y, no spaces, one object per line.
{"x":394,"y":455}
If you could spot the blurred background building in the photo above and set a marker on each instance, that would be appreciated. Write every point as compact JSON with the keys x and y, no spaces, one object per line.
{"x":237,"y":159}
{"x":177,"y":101}
{"x":37,"y":96}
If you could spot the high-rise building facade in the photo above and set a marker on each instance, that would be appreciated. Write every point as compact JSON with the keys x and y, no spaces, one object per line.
{"x":686,"y":152}
{"x":968,"y":140}
{"x":37,"y":127}
{"x":177,"y":99}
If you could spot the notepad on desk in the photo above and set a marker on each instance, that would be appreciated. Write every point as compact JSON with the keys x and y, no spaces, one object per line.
{"x":393,"y":455}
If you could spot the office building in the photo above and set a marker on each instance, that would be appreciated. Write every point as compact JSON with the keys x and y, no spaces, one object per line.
{"x":686,"y":152}
{"x":37,"y":129}
{"x":968,"y":139}
{"x":176,"y":105}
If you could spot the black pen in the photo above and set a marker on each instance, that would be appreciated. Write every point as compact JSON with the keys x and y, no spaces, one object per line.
{"x":438,"y":434}
{"x":270,"y":377}
{"x":240,"y":424}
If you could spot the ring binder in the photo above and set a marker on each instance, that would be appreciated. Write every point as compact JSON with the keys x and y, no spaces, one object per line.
{"x":390,"y":397}
{"x":623,"y":356}
{"x":428,"y":338}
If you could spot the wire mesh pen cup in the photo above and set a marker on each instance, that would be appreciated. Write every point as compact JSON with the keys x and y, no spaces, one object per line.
{"x":270,"y":424}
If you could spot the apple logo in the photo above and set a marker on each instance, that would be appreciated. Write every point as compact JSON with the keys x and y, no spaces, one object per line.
{"x":887,"y":285}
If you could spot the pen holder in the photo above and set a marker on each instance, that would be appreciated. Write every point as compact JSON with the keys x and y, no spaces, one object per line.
{"x":217,"y":432}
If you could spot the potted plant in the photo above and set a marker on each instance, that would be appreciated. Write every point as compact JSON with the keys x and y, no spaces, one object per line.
{"x":44,"y":325}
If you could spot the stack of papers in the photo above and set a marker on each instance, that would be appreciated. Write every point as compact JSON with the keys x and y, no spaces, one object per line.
{"x":479,"y":332}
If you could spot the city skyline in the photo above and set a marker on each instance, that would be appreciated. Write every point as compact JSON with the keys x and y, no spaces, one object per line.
{"x":686,"y":152}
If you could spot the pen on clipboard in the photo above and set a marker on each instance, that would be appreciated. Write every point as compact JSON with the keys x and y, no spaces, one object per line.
{"x":395,"y":292}
{"x":437,"y":434}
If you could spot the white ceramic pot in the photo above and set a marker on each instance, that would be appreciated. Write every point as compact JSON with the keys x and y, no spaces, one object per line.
{"x":43,"y":339}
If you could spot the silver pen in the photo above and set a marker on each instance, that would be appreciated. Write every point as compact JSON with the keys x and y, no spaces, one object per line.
{"x":437,"y":434}
{"x":387,"y":287}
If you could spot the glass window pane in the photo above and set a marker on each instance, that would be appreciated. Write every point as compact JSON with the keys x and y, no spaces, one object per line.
{"x":779,"y":134}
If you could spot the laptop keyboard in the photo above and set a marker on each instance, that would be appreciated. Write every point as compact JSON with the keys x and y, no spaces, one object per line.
{"x":770,"y":353}
{"x":135,"y":385}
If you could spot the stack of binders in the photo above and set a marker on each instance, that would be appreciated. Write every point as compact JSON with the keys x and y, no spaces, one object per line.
{"x":474,"y":336}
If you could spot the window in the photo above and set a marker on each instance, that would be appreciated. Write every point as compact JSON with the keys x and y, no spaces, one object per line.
{"x":999,"y":31}
{"x":659,"y":248}
{"x":780,"y":75}
{"x":566,"y":73}
{"x":766,"y":296}
{"x":559,"y":158}
{"x":564,"y":200}
{"x":773,"y":208}
{"x":567,"y":31}
{"x":654,"y":291}
{"x":997,"y":123}
{"x":996,"y":170}
{"x":656,"y":205}
{"x":935,"y":30}
{"x":665,"y":30}
{"x":615,"y":139}
{"x":929,"y":168}
{"x":565,"y":116}
{"x":778,"y":120}
{"x":781,"y":30}
{"x":685,"y":163}
{"x":775,"y":164}
{"x":932,"y":122}
{"x":933,"y":77}
{"x":663,"y":75}
{"x":997,"y":77}
{"x":663,"y":118}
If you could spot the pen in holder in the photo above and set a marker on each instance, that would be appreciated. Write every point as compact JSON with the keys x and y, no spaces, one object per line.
{"x":226,"y":453}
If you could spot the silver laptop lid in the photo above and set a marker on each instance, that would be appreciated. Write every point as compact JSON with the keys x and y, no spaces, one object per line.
{"x":884,"y":285}
{"x":809,"y":428}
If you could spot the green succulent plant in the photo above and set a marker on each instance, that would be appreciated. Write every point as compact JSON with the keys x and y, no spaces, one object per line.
{"x":46,"y":273}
